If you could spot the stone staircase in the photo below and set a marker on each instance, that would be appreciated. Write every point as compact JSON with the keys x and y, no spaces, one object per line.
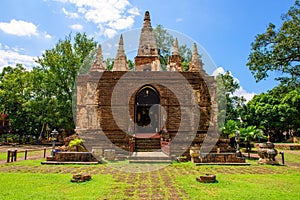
{"x":149,"y":157}
{"x":147,"y":144}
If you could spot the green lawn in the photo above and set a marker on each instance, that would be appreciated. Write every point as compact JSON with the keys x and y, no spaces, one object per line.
{"x":55,"y":186}
{"x":31,"y":180}
{"x":244,"y":186}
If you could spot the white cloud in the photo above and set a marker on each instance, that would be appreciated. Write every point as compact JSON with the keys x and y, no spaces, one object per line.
{"x":47,"y":36}
{"x":218,"y":71}
{"x":134,"y":11}
{"x":241,"y":91}
{"x":110,"y":33}
{"x":122,"y":23}
{"x":22,"y":28}
{"x":12,"y":56}
{"x":111,"y":15}
{"x":77,"y":27}
{"x":19,"y":28}
{"x":179,"y":20}
{"x":72,"y":15}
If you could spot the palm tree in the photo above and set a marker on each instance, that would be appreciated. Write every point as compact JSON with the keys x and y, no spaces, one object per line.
{"x":230,"y":128}
{"x":249,"y":134}
{"x":78,"y":143}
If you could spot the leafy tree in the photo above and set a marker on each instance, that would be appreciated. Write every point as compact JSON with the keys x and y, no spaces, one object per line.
{"x":278,"y":50}
{"x":185,"y":66}
{"x":165,"y":42}
{"x":109,"y":63}
{"x":77,"y":143}
{"x":40,"y":106}
{"x":251,"y":133}
{"x":186,"y":57}
{"x":61,"y":65}
{"x":14,"y":93}
{"x":131,"y":65}
{"x":229,"y":104}
{"x":275,"y":112}
{"x":230,"y":128}
{"x":185,"y":53}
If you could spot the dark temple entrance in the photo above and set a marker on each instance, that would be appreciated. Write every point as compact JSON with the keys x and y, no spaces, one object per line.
{"x":147,"y":110}
{"x":147,"y":119}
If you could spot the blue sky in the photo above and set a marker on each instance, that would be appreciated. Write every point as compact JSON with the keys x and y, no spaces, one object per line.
{"x":224,"y":28}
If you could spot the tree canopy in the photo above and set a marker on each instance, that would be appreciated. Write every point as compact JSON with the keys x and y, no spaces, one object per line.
{"x":165,"y":42}
{"x":278,"y":50}
{"x":43,"y":96}
{"x":61,"y":65}
{"x":229,"y":104}
{"x":275,"y":112}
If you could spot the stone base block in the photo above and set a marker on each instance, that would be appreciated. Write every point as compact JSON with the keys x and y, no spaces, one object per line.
{"x":220,"y":158}
{"x":75,"y":157}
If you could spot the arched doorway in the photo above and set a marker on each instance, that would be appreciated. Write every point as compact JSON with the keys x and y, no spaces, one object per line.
{"x":147,"y":110}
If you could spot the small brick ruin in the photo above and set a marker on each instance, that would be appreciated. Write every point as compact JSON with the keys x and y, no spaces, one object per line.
{"x":207,"y":178}
{"x":97,"y":101}
{"x":79,"y":178}
{"x":67,"y":154}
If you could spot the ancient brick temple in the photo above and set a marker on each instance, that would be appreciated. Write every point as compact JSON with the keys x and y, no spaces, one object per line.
{"x":147,"y":109}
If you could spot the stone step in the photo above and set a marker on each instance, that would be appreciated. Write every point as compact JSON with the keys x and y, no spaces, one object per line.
{"x":68,"y":163}
{"x":150,"y":161}
{"x":147,"y":144}
{"x":148,"y":150}
{"x":149,"y":157}
{"x":141,"y":146}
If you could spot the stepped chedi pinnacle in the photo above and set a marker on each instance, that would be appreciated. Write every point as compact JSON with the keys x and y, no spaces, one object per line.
{"x":175,"y":49}
{"x":174,"y":61}
{"x":99,"y":64}
{"x":147,"y":58}
{"x":196,"y":64}
{"x":120,"y":62}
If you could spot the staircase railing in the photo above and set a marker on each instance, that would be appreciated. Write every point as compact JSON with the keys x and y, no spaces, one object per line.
{"x":131,"y":145}
{"x":165,"y":147}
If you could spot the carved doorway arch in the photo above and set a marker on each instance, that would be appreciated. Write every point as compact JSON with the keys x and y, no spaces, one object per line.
{"x":147,"y":110}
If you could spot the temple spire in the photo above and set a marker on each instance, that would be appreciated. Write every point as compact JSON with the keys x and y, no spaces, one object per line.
{"x":120,"y":62}
{"x":174,"y":61}
{"x":147,"y":16}
{"x":99,"y":53}
{"x":196,"y":64}
{"x":195,"y":56}
{"x":147,"y":48}
{"x":175,"y":50}
{"x":98,"y":64}
{"x":121,"y":51}
{"x":147,"y":44}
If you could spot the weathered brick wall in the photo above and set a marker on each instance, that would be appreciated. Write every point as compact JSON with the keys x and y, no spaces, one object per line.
{"x":96,"y":124}
{"x":168,"y":100}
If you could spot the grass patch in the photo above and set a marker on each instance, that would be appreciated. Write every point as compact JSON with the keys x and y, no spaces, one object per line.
{"x":291,"y":156}
{"x":56,"y":186}
{"x":3,"y":156}
{"x":243,"y":186}
{"x":31,"y":180}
